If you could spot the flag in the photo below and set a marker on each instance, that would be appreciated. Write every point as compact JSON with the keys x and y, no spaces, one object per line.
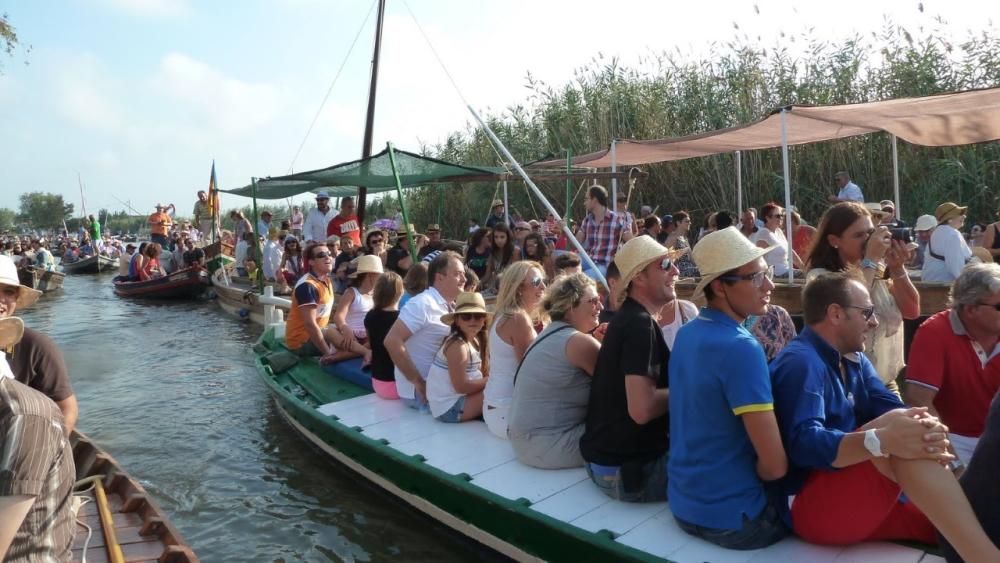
{"x":213,"y":193}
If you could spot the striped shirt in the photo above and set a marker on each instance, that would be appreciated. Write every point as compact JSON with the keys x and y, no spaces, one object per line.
{"x":601,"y":239}
{"x":36,"y":460}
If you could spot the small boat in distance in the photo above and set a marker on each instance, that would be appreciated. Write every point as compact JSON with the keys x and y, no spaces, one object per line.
{"x":125,"y":522}
{"x":182,"y":284}
{"x":41,"y":279}
{"x":91,"y":265}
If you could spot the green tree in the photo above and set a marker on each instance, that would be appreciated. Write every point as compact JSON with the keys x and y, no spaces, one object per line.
{"x":9,"y":41}
{"x":7,"y":219}
{"x":45,"y":210}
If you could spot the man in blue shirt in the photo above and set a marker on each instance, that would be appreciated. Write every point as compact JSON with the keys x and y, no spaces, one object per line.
{"x":725,"y":442}
{"x":853,"y":447}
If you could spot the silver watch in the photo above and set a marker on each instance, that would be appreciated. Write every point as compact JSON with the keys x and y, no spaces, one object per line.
{"x":873,"y":445}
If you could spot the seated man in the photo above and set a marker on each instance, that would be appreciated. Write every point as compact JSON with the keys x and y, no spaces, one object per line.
{"x":626,"y":437}
{"x":853,"y":447}
{"x":567,"y":263}
{"x":312,"y":303}
{"x":954,"y":366}
{"x":725,"y":449}
{"x":612,"y":276}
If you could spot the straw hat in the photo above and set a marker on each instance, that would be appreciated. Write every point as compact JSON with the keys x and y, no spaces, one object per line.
{"x":368,"y":264}
{"x":467,"y":302}
{"x":635,"y":255}
{"x":402,"y":231}
{"x":720,"y":252}
{"x":948,"y":211}
{"x":433,"y":228}
{"x":875,"y":209}
{"x":11,"y":331}
{"x":497,"y":202}
{"x":887,"y":203}
{"x":8,"y":276}
{"x":983,"y":254}
{"x":322,"y":195}
{"x":925,"y":223}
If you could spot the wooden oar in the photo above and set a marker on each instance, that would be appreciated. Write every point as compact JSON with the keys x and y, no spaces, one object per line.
{"x":115,"y":554}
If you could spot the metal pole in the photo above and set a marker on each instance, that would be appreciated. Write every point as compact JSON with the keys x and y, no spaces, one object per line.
{"x":788,"y":190}
{"x":506,"y":208}
{"x":539,"y":194}
{"x":402,"y":204}
{"x":569,"y":183}
{"x":614,"y":181}
{"x":259,"y":258}
{"x":366,"y":147}
{"x":739,"y":182}
{"x":895,"y":175}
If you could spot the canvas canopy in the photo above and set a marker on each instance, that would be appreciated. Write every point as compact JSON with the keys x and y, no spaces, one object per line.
{"x":958,"y":118}
{"x":374,"y":172}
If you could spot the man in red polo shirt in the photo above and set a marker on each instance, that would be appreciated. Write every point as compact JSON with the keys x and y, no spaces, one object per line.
{"x":345,"y":223}
{"x":954,"y":364}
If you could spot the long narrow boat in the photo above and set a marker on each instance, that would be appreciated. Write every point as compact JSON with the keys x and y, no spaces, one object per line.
{"x":41,"y":279}
{"x":140,"y":527}
{"x":469,"y":480}
{"x":182,"y":284}
{"x":91,"y":265}
{"x":242,"y":300}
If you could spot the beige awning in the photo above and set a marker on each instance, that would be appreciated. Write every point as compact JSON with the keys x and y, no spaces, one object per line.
{"x":958,"y":118}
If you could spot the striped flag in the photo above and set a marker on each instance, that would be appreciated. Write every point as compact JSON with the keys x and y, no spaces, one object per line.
{"x":213,"y":193}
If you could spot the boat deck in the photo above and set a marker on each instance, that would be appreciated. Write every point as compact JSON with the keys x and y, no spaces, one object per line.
{"x":470,"y":451}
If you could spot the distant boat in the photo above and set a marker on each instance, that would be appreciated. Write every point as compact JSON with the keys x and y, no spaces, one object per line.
{"x":182,"y":284}
{"x":41,"y":279}
{"x":91,"y":265}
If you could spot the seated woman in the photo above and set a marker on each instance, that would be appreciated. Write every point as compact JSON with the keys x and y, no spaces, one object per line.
{"x":535,"y":249}
{"x":137,"y":262}
{"x":150,"y":267}
{"x":460,"y":370}
{"x":348,"y":334}
{"x":477,"y":253}
{"x":375,"y":244}
{"x":414,"y":282}
{"x":552,"y":384}
{"x":378,"y":321}
{"x":773,"y":234}
{"x":512,"y":330}
{"x":291,"y":266}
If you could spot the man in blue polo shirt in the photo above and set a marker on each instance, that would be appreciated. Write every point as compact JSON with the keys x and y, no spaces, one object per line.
{"x":725,"y":443}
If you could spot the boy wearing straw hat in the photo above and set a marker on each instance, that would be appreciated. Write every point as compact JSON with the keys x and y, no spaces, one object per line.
{"x":36,"y":468}
{"x":725,"y":443}
{"x":35,"y":358}
{"x":627,"y":431}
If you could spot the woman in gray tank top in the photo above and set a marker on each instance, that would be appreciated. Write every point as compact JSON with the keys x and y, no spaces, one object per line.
{"x":552,"y":384}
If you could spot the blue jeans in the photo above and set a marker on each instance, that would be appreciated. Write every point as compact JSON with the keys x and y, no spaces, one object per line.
{"x":757,"y":533}
{"x":632,"y":482}
{"x":454,"y":414}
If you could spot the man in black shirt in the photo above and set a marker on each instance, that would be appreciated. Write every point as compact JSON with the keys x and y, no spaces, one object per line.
{"x":627,"y":429}
{"x":434,"y":242}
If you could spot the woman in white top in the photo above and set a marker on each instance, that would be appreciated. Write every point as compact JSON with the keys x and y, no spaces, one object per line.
{"x":512,"y":331}
{"x":674,"y":314}
{"x":773,"y":235}
{"x":947,"y":252}
{"x":460,"y":369}
{"x":347,"y":333}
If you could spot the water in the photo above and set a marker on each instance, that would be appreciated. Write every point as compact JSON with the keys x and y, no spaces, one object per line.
{"x":170,"y":391}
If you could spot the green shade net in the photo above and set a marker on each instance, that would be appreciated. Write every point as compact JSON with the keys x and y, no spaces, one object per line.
{"x":374,"y":172}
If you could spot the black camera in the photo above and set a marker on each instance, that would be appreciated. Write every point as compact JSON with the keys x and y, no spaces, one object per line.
{"x":904,"y":234}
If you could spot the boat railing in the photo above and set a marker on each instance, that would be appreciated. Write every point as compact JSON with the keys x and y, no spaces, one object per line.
{"x":274,"y":316}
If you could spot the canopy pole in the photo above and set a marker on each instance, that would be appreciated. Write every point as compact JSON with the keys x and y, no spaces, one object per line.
{"x":259,"y":258}
{"x":614,"y":180}
{"x":538,"y":193}
{"x":569,"y":183}
{"x":895,"y":174}
{"x":739,"y":182}
{"x":402,"y":203}
{"x":440,"y":202}
{"x":788,"y":191}
{"x":366,"y":147}
{"x":506,"y":207}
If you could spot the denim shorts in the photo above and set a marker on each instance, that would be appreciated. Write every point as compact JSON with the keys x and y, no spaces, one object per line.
{"x":416,"y":404}
{"x":634,"y":482}
{"x":454,"y":414}
{"x":759,"y":532}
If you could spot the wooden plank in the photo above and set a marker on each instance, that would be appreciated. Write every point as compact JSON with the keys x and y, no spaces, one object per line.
{"x":125,"y":535}
{"x":619,"y":517}
{"x":571,"y":503}
{"x":338,"y":407}
{"x":409,"y":426}
{"x":794,"y":549}
{"x":120,"y":519}
{"x":367,"y":415}
{"x":658,"y":536}
{"x":514,"y":480}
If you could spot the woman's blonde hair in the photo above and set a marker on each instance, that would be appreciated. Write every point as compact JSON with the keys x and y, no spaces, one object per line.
{"x":509,"y":296}
{"x":565,"y":293}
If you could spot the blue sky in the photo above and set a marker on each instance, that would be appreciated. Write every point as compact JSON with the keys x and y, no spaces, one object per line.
{"x":139,"y":96}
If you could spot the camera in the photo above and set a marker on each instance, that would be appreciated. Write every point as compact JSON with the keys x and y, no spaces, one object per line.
{"x":904,"y":234}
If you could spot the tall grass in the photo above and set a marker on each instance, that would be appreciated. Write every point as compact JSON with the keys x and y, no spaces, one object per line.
{"x":668,"y":95}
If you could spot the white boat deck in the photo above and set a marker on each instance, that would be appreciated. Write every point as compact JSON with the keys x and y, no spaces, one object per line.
{"x":569,"y":496}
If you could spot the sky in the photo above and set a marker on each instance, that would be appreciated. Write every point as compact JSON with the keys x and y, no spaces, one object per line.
{"x":138,"y":97}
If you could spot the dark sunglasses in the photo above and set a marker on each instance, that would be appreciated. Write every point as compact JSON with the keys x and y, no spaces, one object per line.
{"x":995,"y":305}
{"x":866,"y":312}
{"x":376,"y":241}
{"x":323,"y":254}
{"x":536,"y":281}
{"x":471,"y":316}
{"x":666,"y":264}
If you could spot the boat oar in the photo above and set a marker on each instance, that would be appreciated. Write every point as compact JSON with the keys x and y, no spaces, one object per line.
{"x":114,"y":549}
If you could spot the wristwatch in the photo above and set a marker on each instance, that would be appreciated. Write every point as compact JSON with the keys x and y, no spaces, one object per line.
{"x":873,"y":445}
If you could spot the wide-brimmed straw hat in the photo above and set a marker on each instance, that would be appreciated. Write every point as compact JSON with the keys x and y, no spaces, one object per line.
{"x":635,"y":255}
{"x":925,"y":223}
{"x":887,"y":203}
{"x":948,"y":211}
{"x":8,"y":276}
{"x":11,"y":331}
{"x":496,"y":202}
{"x":368,"y":264}
{"x":403,"y":230}
{"x":433,"y":228}
{"x":720,"y":252}
{"x":467,"y":302}
{"x":875,"y":209}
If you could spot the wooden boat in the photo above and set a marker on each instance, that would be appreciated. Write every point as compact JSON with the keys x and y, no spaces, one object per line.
{"x":39,"y":278}
{"x":218,"y":255}
{"x":466,"y":478}
{"x":238,"y":297}
{"x":140,"y":527}
{"x":91,"y":265}
{"x":182,"y":284}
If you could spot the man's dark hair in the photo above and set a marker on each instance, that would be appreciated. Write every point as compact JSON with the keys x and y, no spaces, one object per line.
{"x":722,"y":220}
{"x":439,"y":265}
{"x":613,"y":272}
{"x":567,"y":260}
{"x":650,"y":222}
{"x":825,"y":290}
{"x":599,"y":193}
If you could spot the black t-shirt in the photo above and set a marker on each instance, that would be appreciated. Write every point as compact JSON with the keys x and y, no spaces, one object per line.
{"x":477,"y":262}
{"x":430,"y":247}
{"x":606,"y":315}
{"x":378,"y":323}
{"x":980,"y":481}
{"x":38,"y":363}
{"x":396,"y":254}
{"x":633,"y":345}
{"x":343,"y":257}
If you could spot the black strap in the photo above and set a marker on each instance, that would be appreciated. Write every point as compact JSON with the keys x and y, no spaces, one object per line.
{"x":930,"y":250}
{"x":532,"y":347}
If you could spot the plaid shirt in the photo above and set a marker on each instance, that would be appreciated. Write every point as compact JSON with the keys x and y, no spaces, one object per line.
{"x":601,"y":240}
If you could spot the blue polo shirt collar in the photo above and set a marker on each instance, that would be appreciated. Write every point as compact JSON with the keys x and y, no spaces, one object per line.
{"x":717,"y":316}
{"x":827,"y":353}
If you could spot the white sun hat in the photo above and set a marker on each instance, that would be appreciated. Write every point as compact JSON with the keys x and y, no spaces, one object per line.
{"x":925,"y":223}
{"x":8,"y":276}
{"x":720,"y":252}
{"x":368,"y":264}
{"x":635,"y":255}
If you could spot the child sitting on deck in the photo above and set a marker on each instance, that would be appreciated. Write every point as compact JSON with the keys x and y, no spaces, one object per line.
{"x":378,"y":321}
{"x":459,"y":373}
{"x":348,"y":334}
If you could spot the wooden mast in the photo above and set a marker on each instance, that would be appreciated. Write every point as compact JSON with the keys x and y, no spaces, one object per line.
{"x":366,"y":147}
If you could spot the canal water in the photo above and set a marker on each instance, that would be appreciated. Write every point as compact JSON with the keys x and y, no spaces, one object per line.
{"x":170,"y":391}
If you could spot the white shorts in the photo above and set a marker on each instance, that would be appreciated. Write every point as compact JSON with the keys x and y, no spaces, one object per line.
{"x":496,"y":419}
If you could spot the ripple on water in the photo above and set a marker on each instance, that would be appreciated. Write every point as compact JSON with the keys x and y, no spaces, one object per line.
{"x":171,"y":392}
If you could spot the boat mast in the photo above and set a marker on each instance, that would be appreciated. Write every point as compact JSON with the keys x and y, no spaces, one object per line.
{"x":366,"y":147}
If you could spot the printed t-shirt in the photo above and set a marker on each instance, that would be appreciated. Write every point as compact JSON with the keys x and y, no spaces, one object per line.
{"x":712,"y":467}
{"x":477,"y":262}
{"x":377,"y":325}
{"x":422,"y":316}
{"x":340,"y":226}
{"x":154,"y":223}
{"x":944,"y":359}
{"x":634,"y":346}
{"x":394,"y":256}
{"x":309,"y":290}
{"x":38,"y":363}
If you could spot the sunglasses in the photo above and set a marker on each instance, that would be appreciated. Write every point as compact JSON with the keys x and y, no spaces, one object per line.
{"x":536,"y":281}
{"x":376,"y":241}
{"x":866,"y":312}
{"x":995,"y":305}
{"x":593,"y":301}
{"x":756,"y":278}
{"x":471,"y":316}
{"x":323,"y":254}
{"x":666,"y":264}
